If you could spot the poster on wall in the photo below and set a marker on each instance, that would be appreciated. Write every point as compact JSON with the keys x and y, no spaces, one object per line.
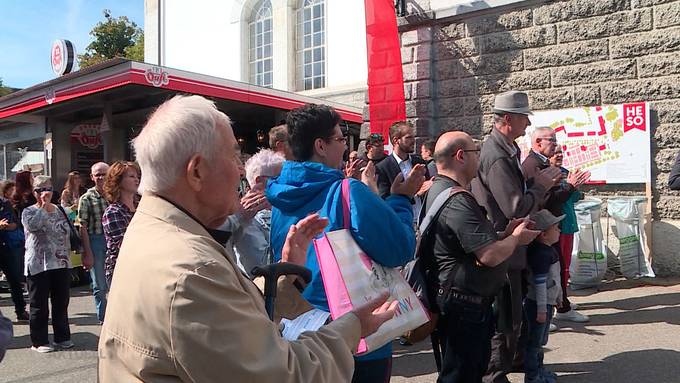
{"x":611,"y":141}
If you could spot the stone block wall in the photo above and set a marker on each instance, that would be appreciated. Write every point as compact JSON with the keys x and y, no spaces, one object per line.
{"x":564,"y":54}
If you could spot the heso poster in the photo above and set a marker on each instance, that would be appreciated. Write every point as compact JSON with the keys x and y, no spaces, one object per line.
{"x":611,"y":141}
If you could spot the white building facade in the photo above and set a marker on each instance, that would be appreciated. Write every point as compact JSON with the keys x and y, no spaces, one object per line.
{"x":313,"y":47}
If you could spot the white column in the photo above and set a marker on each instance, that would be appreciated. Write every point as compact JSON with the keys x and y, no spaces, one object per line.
{"x":283,"y":34}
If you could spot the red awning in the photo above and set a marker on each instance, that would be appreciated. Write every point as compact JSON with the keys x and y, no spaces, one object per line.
{"x":118,"y":73}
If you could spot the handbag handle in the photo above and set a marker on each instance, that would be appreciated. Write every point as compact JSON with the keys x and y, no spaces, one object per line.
{"x":70,"y":224}
{"x":346,"y":212}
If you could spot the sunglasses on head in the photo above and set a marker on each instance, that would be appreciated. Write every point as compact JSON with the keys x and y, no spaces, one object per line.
{"x":41,"y":190}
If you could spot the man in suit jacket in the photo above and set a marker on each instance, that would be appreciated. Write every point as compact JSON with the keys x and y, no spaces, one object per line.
{"x":401,"y":161}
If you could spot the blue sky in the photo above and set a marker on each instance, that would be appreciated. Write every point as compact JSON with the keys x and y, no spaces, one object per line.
{"x":30,"y":26}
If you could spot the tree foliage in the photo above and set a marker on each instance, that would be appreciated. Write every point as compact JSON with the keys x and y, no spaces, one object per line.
{"x":4,"y":91}
{"x":113,"y":37}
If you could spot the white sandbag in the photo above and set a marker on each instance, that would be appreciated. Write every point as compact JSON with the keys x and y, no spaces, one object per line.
{"x":588,"y":259}
{"x":629,"y":217}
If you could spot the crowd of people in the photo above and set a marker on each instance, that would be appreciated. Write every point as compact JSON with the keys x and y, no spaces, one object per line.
{"x":39,"y":236}
{"x":172,"y":268}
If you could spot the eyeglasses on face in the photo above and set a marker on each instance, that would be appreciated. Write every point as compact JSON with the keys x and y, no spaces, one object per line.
{"x":42,"y":190}
{"x":552,"y":140}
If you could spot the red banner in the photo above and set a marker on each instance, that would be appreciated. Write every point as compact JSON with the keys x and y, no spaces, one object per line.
{"x":385,"y":76}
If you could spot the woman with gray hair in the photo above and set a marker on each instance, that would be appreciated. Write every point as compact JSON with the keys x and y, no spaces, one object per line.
{"x":47,"y":265}
{"x":249,"y":227}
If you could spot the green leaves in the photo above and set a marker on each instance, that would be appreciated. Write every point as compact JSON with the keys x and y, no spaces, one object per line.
{"x":113,"y":37}
{"x":4,"y":90}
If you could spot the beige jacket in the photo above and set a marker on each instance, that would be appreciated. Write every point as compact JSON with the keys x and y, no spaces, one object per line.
{"x":180,"y":310}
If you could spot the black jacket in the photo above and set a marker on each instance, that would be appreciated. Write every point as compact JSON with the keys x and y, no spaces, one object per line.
{"x":388,"y":169}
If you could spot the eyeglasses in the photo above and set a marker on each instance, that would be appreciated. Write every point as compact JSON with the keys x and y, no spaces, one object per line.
{"x":551,"y":139}
{"x":375,"y":136}
{"x":472,"y":150}
{"x":42,"y":190}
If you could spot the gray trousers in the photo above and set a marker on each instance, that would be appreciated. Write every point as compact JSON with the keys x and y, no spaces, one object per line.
{"x":504,"y":344}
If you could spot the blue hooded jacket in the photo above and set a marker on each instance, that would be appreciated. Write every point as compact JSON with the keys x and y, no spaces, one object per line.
{"x":382,"y":228}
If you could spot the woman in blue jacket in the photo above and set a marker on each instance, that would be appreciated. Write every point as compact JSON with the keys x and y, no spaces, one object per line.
{"x":382,"y":228}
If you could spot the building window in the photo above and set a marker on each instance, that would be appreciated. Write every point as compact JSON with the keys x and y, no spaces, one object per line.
{"x":260,"y":49}
{"x":311,"y":45}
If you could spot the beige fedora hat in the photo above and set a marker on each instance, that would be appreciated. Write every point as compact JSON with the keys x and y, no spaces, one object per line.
{"x":512,"y":102}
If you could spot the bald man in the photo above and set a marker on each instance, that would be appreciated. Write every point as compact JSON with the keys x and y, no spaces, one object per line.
{"x":469,"y":259}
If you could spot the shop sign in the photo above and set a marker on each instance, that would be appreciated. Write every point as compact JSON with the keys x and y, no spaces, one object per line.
{"x":50,"y":95}
{"x":62,"y":57}
{"x":87,"y":135}
{"x":156,"y":76}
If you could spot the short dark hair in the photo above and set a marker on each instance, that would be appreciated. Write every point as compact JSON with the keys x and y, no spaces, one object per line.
{"x":429,"y":145}
{"x":395,"y":129}
{"x":306,"y":124}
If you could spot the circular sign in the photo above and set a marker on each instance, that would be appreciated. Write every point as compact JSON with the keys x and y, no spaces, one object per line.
{"x":62,"y":57}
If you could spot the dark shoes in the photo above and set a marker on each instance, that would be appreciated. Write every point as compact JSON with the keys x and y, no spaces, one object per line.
{"x":22,"y":316}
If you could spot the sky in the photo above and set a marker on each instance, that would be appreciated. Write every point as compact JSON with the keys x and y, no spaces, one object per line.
{"x":30,"y":26}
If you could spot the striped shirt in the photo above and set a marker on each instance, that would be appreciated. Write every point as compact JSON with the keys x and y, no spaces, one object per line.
{"x":90,"y":211}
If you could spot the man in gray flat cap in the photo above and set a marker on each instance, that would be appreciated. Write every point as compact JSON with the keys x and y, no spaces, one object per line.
{"x":503,"y":190}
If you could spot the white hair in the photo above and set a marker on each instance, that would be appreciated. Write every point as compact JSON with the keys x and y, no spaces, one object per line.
{"x":266,"y":162}
{"x":539,"y":131}
{"x":41,"y":181}
{"x":179,"y":129}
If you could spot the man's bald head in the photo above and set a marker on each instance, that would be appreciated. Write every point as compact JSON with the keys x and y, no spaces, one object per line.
{"x":99,"y":166}
{"x":457,"y":157}
{"x":448,"y":144}
{"x":98,"y":174}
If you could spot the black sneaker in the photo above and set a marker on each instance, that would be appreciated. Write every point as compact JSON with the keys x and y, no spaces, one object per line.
{"x":22,"y":316}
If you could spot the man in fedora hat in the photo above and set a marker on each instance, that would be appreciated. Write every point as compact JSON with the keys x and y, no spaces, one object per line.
{"x":502,"y":189}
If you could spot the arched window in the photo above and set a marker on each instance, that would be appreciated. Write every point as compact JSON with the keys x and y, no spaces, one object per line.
{"x":260,"y":49}
{"x":311,"y":45}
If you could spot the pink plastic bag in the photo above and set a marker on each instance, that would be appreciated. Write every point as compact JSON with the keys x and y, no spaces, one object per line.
{"x":351,"y":278}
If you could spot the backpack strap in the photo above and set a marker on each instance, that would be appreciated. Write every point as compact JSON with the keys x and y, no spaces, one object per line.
{"x":438,"y":204}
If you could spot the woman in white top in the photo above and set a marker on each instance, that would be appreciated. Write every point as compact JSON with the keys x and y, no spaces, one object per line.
{"x":47,"y":265}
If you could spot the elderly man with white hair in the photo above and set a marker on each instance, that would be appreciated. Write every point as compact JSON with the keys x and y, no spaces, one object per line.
{"x":179,"y":308}
{"x":249,"y":227}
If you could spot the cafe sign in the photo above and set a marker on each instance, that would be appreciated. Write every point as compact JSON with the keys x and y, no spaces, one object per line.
{"x":87,"y":135}
{"x":62,"y":57}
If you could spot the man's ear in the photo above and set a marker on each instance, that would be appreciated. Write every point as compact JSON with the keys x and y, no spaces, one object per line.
{"x":320,"y":147}
{"x":196,"y":172}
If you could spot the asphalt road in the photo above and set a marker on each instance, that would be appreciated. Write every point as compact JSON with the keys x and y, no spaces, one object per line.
{"x":634,"y":336}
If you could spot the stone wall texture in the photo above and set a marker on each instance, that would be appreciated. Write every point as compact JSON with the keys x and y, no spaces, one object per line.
{"x":563,"y":54}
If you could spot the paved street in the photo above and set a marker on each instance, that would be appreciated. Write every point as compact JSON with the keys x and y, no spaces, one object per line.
{"x":634,"y":336}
